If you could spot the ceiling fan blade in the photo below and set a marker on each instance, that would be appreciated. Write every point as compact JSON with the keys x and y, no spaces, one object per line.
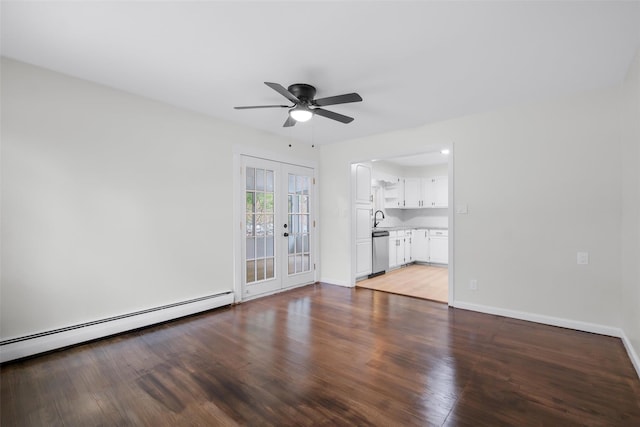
{"x":339,"y":99}
{"x":262,"y":106}
{"x":289,"y":122}
{"x":331,"y":115}
{"x":282,"y":91}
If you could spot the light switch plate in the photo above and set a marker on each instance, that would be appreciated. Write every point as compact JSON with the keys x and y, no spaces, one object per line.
{"x":583,"y":258}
{"x":462,"y":209}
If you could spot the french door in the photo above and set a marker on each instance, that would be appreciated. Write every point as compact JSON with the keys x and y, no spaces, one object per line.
{"x":279,"y":227}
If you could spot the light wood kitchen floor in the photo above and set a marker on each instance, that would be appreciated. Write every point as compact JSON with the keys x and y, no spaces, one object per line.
{"x":420,"y":281}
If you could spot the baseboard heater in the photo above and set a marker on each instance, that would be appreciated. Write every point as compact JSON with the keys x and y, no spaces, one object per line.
{"x":29,"y":345}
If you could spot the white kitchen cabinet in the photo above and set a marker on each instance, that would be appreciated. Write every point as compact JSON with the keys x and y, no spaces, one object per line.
{"x":420,"y":245}
{"x":441,"y":199}
{"x":407,"y":247}
{"x":363,"y":213}
{"x":363,"y":183}
{"x":363,"y":223}
{"x":412,"y":193}
{"x":435,"y":192}
{"x":439,"y":246}
{"x":394,"y":193}
{"x":400,"y":248}
{"x":393,"y":249}
{"x":363,"y":258}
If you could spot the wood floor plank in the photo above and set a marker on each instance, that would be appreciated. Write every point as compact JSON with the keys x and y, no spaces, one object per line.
{"x":415,"y":280}
{"x":326,"y":355}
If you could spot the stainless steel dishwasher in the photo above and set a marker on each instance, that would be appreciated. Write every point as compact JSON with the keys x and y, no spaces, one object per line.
{"x":380,"y":252}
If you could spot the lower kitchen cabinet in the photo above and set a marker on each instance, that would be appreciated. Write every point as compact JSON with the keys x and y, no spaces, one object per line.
{"x":399,"y":248}
{"x":407,"y":246}
{"x":393,"y":249}
{"x":396,"y":248}
{"x":439,"y":246}
{"x":420,"y":245}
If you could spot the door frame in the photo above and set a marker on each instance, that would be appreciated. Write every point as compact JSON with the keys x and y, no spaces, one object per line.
{"x":238,"y":210}
{"x":450,"y":210}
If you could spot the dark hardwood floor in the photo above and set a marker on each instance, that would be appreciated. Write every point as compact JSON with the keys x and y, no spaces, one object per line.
{"x":326,"y":355}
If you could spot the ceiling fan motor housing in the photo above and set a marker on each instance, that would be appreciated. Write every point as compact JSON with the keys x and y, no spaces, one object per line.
{"x":303,"y":92}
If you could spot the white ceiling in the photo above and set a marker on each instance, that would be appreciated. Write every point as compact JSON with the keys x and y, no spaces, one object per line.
{"x":412,"y":62}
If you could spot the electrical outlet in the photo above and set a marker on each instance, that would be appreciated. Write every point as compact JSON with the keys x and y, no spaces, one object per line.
{"x":583,"y":258}
{"x":473,"y":284}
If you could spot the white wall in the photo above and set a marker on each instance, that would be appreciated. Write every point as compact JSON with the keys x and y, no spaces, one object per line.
{"x":630,"y":153}
{"x":542,"y":182}
{"x":111,"y":203}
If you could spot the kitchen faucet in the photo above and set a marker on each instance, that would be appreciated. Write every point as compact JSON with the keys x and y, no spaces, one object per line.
{"x":375,"y":218}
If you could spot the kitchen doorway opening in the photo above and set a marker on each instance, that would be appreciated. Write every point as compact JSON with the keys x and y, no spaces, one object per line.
{"x":403,"y":225}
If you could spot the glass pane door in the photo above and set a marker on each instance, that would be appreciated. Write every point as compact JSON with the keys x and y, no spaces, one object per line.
{"x":278,"y":236}
{"x":260,"y":224}
{"x":261,"y":214}
{"x":300,"y":225}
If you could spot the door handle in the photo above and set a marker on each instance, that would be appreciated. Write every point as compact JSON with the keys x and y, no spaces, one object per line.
{"x":286,"y":234}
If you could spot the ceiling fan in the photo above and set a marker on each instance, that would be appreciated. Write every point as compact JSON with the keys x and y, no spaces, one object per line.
{"x":305,"y":106}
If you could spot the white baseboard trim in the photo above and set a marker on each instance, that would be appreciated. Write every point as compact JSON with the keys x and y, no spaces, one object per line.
{"x":336,"y":282}
{"x":17,"y":348}
{"x":540,"y":318}
{"x":633,"y":355}
{"x":557,"y":321}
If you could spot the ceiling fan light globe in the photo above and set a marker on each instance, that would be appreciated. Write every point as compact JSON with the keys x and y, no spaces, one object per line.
{"x":300,"y":114}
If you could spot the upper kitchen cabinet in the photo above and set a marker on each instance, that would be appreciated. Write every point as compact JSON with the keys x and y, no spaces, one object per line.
{"x":416,"y":193}
{"x":435,"y":192}
{"x":394,"y":192}
{"x":363,"y":183}
{"x":408,"y":184}
{"x":412,"y":193}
